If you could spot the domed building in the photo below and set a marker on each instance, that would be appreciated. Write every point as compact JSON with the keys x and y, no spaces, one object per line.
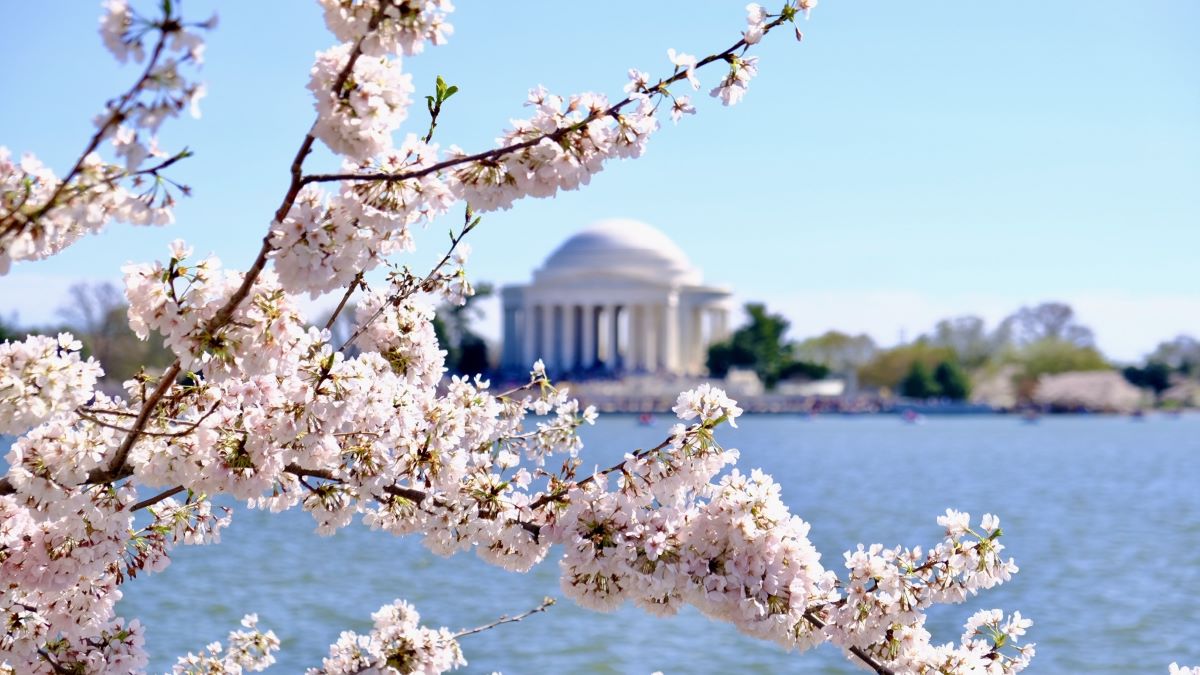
{"x":618,"y":297}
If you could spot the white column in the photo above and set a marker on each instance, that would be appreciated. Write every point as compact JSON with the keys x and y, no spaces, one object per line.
{"x":631,"y":339}
{"x":652,"y":338}
{"x":614,"y":338}
{"x":671,"y":334}
{"x":569,"y":356}
{"x":696,"y":341}
{"x":588,"y":359}
{"x":528,"y":326}
{"x":547,"y":355}
{"x":636,"y":326}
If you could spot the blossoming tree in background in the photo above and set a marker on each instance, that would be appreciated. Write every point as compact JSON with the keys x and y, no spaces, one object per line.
{"x":263,"y":406}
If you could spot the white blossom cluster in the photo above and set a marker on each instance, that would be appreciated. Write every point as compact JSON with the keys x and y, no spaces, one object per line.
{"x":92,"y":199}
{"x":885,"y":595}
{"x":249,"y":651}
{"x":40,"y":377}
{"x":398,"y":643}
{"x":403,"y":26}
{"x":357,"y":118}
{"x":326,"y":240}
{"x":40,"y":213}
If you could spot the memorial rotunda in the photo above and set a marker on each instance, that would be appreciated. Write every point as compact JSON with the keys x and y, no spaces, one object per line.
{"x":618,"y":297}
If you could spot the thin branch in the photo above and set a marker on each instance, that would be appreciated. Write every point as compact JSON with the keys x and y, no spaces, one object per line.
{"x":54,"y":665}
{"x":164,"y":383}
{"x":547,"y":602}
{"x":857,"y":651}
{"x":400,"y":297}
{"x":117,"y":469}
{"x":151,"y":501}
{"x":557,"y":496}
{"x":354,"y":284}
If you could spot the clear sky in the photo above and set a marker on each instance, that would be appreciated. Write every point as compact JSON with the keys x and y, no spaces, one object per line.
{"x":906,"y":162}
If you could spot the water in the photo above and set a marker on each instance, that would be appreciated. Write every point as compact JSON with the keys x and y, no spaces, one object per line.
{"x":1102,"y":515}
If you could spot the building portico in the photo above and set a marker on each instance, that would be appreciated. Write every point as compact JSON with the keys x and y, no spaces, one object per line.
{"x":618,"y":297}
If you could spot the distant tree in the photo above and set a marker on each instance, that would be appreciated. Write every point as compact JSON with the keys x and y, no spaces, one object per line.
{"x":952,"y":381}
{"x":1049,"y":357}
{"x":840,"y":352}
{"x":1053,"y":321}
{"x":804,"y":369}
{"x":968,"y":338}
{"x":918,"y":383}
{"x":96,"y":313}
{"x":472,"y":356}
{"x":721,"y":358}
{"x":9,"y":330}
{"x":1181,"y":354}
{"x":1155,"y":375}
{"x":889,"y":367}
{"x":466,"y":351}
{"x":761,"y":346}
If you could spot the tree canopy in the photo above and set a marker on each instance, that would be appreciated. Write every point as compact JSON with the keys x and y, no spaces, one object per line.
{"x":760,"y":345}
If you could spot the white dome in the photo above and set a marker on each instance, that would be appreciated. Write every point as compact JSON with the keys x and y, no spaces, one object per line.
{"x":619,"y":247}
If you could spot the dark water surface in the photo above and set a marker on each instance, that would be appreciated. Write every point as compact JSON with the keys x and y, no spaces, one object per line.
{"x":1101,"y":514}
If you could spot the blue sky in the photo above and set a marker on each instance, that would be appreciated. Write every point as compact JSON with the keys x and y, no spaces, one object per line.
{"x":907,"y":161}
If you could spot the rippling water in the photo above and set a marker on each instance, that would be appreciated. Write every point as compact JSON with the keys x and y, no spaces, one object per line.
{"x":1102,"y":515}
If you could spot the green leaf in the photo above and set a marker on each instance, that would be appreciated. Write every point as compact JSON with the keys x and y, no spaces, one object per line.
{"x":450,"y":92}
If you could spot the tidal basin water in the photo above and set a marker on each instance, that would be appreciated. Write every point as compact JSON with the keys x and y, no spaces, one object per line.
{"x":1102,"y":515}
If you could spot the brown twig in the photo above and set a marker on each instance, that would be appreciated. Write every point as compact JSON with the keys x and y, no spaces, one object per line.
{"x":857,"y":651}
{"x":547,"y":602}
{"x":151,"y":501}
{"x":354,"y":284}
{"x":164,"y":383}
{"x":425,"y":281}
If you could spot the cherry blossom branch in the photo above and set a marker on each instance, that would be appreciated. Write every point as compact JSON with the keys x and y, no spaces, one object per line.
{"x":862,"y":655}
{"x":424,"y":284}
{"x":559,"y":494}
{"x":225,"y":313}
{"x":164,"y":383}
{"x":10,"y":226}
{"x":612,"y":111}
{"x":117,"y":468}
{"x":547,"y":603}
{"x":354,"y":284}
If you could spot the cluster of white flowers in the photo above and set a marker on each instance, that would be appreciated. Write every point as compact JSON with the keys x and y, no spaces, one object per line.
{"x":41,"y":214}
{"x":1176,"y":669}
{"x":566,"y":141}
{"x":733,"y":87}
{"x":403,"y":26}
{"x":357,"y":119}
{"x":882,"y":603}
{"x":325,"y":241}
{"x":179,"y":301}
{"x":398,"y":643}
{"x":40,"y":377}
{"x":249,"y":651}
